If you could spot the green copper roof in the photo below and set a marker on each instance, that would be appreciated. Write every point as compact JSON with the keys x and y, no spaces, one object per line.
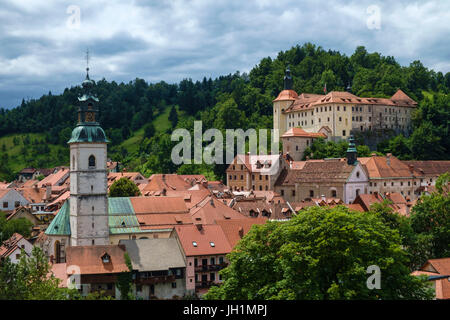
{"x":60,"y":225}
{"x":122,"y":218}
{"x":351,"y":145}
{"x":88,"y":133}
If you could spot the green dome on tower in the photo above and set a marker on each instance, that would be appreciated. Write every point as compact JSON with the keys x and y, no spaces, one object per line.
{"x":88,"y":129}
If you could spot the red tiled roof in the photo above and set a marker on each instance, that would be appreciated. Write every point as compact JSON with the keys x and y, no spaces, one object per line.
{"x":299,"y":132}
{"x":88,"y":258}
{"x":430,"y":167}
{"x":136,"y":177}
{"x":158,"y":182}
{"x":10,"y":245}
{"x":380,"y":167}
{"x":235,"y":229}
{"x":54,"y":178}
{"x":33,"y":194}
{"x":438,"y":267}
{"x":143,"y":205}
{"x":355,"y":206}
{"x":308,"y":101}
{"x":190,"y":197}
{"x":209,"y":210}
{"x":163,"y":220}
{"x":203,"y":239}
{"x":29,"y":183}
{"x":287,"y":95}
{"x":328,"y":170}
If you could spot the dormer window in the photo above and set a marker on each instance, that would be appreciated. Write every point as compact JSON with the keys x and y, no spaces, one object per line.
{"x":106,"y":258}
{"x":91,"y":162}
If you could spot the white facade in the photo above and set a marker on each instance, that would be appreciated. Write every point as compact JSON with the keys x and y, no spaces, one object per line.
{"x":14,"y":256}
{"x":88,"y":194}
{"x":11,"y":200}
{"x":357,"y":184}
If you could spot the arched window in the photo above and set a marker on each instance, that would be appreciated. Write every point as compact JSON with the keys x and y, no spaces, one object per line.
{"x":91,"y":161}
{"x":333,"y":193}
{"x":357,"y":192}
{"x":57,"y":251}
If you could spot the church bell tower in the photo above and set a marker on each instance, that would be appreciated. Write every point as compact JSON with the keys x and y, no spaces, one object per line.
{"x":88,"y":174}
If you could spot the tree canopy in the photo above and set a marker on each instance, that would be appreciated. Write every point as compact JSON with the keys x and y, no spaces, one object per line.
{"x":321,"y":253}
{"x":124,"y":187}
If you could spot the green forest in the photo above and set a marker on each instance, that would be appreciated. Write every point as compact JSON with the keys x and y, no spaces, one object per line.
{"x":138,"y":117}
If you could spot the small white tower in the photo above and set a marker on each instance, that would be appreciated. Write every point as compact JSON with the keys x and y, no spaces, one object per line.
{"x":88,"y":175}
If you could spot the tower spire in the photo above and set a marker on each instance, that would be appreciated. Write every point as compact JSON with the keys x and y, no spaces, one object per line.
{"x":351,"y":151}
{"x":87,"y":64}
{"x":287,"y":79}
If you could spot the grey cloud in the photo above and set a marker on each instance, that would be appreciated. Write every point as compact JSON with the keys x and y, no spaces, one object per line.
{"x":172,"y":40}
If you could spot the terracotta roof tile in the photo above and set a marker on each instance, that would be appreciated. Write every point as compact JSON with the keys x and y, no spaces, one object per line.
{"x":210,"y":240}
{"x":307,"y":101}
{"x":287,"y":95}
{"x":55,"y":178}
{"x":299,"y":132}
{"x":209,"y":210}
{"x":143,"y":205}
{"x":89,"y":259}
{"x":235,"y":229}
{"x":385,"y":167}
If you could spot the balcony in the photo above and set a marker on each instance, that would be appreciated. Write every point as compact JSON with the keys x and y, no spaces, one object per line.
{"x":210,"y":267}
{"x":203,"y":284}
{"x":155,"y":280}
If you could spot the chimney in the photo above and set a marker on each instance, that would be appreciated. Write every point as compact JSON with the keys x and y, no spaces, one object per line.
{"x":388,"y":159}
{"x":323,"y":197}
{"x":411,"y":167}
{"x":48,"y":191}
{"x":241,"y":232}
{"x":164,"y":192}
{"x":373,"y":154}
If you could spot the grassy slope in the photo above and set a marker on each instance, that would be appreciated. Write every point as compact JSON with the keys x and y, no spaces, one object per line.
{"x":16,"y":159}
{"x":161,"y":123}
{"x":17,"y":162}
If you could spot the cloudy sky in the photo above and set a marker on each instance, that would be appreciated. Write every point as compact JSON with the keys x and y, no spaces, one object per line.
{"x":43,"y":42}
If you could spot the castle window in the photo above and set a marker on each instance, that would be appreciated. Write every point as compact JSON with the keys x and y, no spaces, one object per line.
{"x":91,"y":162}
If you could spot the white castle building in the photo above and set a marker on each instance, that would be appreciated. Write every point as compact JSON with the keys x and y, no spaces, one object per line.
{"x":338,"y":114}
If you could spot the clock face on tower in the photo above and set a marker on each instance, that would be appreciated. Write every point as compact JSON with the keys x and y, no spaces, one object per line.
{"x":90,"y":117}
